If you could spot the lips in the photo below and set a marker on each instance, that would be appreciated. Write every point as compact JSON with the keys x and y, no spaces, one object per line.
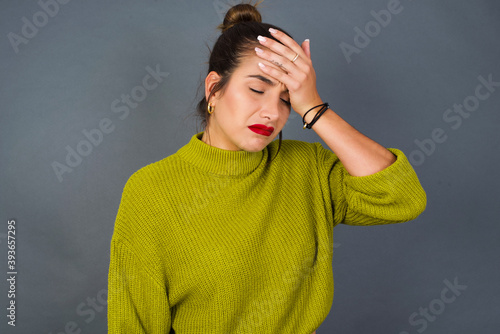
{"x":261,"y":129}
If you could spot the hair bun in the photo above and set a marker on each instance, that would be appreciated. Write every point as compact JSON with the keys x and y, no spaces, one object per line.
{"x":240,"y":13}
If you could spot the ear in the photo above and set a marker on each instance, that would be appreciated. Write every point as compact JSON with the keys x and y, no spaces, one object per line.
{"x":210,"y":81}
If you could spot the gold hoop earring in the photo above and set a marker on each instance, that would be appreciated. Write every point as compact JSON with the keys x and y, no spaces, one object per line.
{"x":210,"y":109}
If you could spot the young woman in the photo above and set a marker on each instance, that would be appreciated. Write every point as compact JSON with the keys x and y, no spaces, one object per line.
{"x":233,"y":232}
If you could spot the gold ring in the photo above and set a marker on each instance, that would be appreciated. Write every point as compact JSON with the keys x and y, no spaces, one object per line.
{"x":294,"y":59}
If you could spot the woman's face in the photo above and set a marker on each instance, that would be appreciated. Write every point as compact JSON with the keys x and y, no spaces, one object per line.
{"x":252,"y":111}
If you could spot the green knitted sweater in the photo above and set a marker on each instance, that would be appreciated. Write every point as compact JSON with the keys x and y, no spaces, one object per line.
{"x":215,"y":241}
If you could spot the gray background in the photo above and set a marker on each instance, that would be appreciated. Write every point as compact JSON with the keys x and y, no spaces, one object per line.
{"x":396,"y":90}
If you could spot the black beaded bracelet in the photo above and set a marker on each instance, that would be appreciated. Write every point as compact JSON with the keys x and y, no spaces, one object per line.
{"x":324,"y":106}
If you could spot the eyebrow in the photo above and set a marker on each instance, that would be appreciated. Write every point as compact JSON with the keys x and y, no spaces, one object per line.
{"x":264,"y":79}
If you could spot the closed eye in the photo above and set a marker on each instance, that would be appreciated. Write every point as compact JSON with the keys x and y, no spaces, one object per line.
{"x":259,"y":92}
{"x":256,"y":91}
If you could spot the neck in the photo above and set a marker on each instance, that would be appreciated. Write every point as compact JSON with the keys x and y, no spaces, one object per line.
{"x":219,"y":161}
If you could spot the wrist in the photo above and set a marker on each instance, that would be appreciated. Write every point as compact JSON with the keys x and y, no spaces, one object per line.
{"x":323,"y":108}
{"x":309,"y":116}
{"x":302,"y":110}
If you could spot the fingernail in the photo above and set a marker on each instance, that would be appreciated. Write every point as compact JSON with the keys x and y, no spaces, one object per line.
{"x":261,"y":38}
{"x":307,"y":40}
{"x":273,"y":31}
{"x":259,"y":50}
{"x":262,"y":65}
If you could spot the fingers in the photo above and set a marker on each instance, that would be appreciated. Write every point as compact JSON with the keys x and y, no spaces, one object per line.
{"x":275,"y":59}
{"x":306,"y":46}
{"x":298,"y":76}
{"x":288,"y":50}
{"x":287,"y":41}
{"x":277,"y":73}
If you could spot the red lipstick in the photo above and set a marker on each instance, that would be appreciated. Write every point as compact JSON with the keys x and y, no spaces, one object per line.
{"x":261,"y":129}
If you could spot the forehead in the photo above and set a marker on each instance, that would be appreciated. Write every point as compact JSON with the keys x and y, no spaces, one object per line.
{"x":249,"y":70}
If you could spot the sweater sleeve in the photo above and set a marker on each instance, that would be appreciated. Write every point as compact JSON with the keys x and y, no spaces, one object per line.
{"x":137,"y":296}
{"x":136,"y":302}
{"x":392,"y":195}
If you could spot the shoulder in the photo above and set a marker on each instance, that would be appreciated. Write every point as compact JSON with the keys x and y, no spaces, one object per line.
{"x":144,"y":195}
{"x":153,"y":175}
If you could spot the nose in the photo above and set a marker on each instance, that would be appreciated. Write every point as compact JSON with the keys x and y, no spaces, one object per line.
{"x":271,"y":109}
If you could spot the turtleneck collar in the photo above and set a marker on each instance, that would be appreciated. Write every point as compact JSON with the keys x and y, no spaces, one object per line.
{"x":218,"y":161}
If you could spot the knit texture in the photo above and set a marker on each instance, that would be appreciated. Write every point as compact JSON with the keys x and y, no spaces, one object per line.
{"x":215,"y":241}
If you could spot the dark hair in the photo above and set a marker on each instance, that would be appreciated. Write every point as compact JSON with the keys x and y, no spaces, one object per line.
{"x":242,"y":24}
